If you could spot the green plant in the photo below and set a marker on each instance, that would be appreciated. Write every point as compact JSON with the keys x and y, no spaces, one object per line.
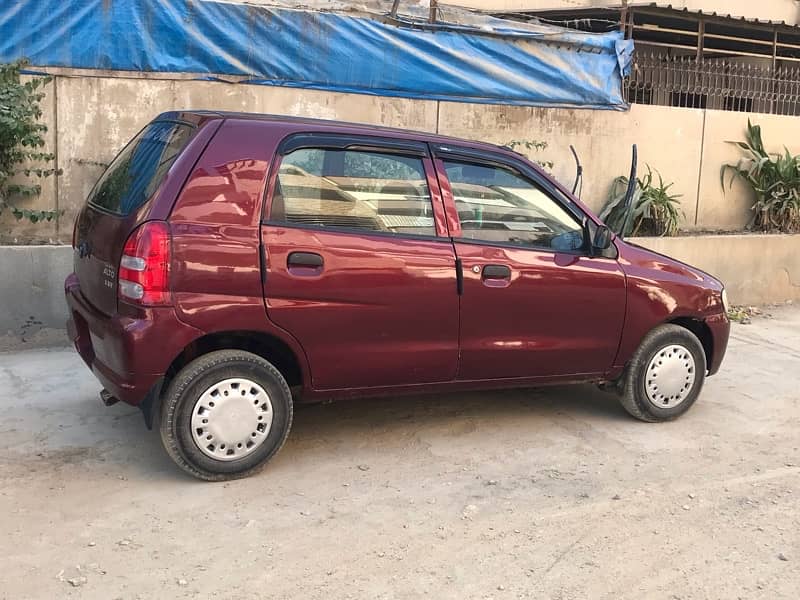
{"x":532,"y":147}
{"x":655,"y":211}
{"x":774,"y":177}
{"x":21,"y":141}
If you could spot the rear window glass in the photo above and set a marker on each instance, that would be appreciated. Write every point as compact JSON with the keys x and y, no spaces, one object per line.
{"x":135,"y":173}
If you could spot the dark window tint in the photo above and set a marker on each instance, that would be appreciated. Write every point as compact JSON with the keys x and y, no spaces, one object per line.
{"x":498,"y":205}
{"x":135,"y":173}
{"x":353,"y":190}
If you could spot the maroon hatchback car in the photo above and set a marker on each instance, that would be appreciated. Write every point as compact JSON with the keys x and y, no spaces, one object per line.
{"x":227,"y":265}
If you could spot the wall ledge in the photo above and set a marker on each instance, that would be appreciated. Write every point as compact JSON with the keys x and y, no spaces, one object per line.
{"x":756,"y":268}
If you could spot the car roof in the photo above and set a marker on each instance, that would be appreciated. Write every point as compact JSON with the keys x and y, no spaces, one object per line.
{"x":199,"y":116}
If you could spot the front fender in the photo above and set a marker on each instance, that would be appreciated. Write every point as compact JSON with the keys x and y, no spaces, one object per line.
{"x":662,"y":290}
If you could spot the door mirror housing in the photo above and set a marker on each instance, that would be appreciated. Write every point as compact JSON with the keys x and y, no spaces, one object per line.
{"x":599,"y":242}
{"x":602,"y":238}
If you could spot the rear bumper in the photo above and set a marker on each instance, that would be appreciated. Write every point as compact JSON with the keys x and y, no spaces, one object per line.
{"x":127,"y":355}
{"x":720,"y":328}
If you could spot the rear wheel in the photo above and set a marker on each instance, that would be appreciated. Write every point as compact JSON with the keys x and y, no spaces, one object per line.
{"x":225,"y":414}
{"x":665,"y":375}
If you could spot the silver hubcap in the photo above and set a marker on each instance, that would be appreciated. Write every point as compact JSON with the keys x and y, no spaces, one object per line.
{"x":231,"y":419}
{"x":670,"y":376}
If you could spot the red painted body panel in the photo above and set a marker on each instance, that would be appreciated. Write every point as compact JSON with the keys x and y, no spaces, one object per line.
{"x":128,"y":354}
{"x":452,"y":222}
{"x":720,"y":328}
{"x":443,"y":227}
{"x":382,"y":311}
{"x":559,"y":314}
{"x":382,"y":315}
{"x":661,"y":289}
{"x":216,"y":264}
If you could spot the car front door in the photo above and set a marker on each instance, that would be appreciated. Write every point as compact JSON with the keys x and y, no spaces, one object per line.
{"x":358,"y":264}
{"x":533,"y":303}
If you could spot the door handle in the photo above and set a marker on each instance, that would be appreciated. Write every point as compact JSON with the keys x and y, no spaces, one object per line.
{"x":496,"y":272}
{"x":304,"y":263}
{"x":304,"y":259}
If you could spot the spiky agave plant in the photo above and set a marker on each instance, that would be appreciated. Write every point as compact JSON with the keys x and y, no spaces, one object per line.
{"x":775,"y":179}
{"x":654,"y":211}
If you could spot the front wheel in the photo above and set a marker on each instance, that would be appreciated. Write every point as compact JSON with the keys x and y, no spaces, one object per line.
{"x":225,"y":414}
{"x":665,"y":375}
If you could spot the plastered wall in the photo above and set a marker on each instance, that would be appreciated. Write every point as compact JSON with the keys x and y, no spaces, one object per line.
{"x":91,"y":118}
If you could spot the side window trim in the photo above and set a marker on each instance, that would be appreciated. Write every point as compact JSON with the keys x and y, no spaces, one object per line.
{"x":357,"y":143}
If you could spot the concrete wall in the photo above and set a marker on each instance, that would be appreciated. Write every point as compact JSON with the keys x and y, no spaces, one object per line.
{"x":687,"y":146}
{"x":668,"y":138}
{"x":98,"y":115}
{"x":32,"y":308}
{"x":91,"y":118}
{"x":731,"y":209}
{"x":756,"y":269}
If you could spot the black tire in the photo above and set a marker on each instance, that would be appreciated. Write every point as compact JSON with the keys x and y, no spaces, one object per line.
{"x":186,"y":388}
{"x":632,"y":386}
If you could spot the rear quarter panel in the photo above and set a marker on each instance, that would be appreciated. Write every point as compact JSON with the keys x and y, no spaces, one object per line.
{"x":216,"y":262}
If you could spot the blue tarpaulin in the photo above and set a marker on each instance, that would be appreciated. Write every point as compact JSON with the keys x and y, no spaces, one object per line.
{"x":477,"y":59}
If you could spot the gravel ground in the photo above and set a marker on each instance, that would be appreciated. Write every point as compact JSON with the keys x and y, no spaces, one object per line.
{"x":551,"y":493}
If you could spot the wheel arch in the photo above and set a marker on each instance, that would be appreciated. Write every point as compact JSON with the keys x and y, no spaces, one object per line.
{"x":696,"y":324}
{"x":701,"y":331}
{"x":267,"y":346}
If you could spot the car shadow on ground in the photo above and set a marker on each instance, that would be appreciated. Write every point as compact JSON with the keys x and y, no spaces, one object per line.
{"x":116,"y":437}
{"x":395,"y":412}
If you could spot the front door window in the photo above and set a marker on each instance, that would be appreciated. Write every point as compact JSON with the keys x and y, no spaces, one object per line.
{"x":497,"y":205}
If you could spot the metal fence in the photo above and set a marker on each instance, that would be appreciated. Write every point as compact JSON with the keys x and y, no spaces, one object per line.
{"x":722,"y":84}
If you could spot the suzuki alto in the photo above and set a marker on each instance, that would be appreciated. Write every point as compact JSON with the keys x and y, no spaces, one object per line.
{"x":228,"y":265}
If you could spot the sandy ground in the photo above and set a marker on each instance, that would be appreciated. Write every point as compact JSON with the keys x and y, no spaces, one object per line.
{"x":552,"y":493}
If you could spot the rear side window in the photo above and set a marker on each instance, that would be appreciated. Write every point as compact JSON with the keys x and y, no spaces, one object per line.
{"x":133,"y":176}
{"x":353,"y":189}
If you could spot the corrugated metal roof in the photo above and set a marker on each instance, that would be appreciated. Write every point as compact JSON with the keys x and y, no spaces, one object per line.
{"x":666,"y":6}
{"x":718,"y":14}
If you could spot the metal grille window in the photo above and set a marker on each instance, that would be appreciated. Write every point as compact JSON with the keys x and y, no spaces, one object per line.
{"x":696,"y":57}
{"x":721,"y":84}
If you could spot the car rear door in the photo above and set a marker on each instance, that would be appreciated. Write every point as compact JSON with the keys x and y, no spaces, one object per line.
{"x":534,"y":304}
{"x":358,"y":264}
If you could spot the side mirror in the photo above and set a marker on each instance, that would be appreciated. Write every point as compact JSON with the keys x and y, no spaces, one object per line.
{"x":602,"y":238}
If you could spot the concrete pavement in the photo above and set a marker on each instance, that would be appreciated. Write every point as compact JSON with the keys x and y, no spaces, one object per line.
{"x":551,"y":493}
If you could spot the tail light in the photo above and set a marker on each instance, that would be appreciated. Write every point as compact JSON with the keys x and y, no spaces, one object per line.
{"x":144,"y":266}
